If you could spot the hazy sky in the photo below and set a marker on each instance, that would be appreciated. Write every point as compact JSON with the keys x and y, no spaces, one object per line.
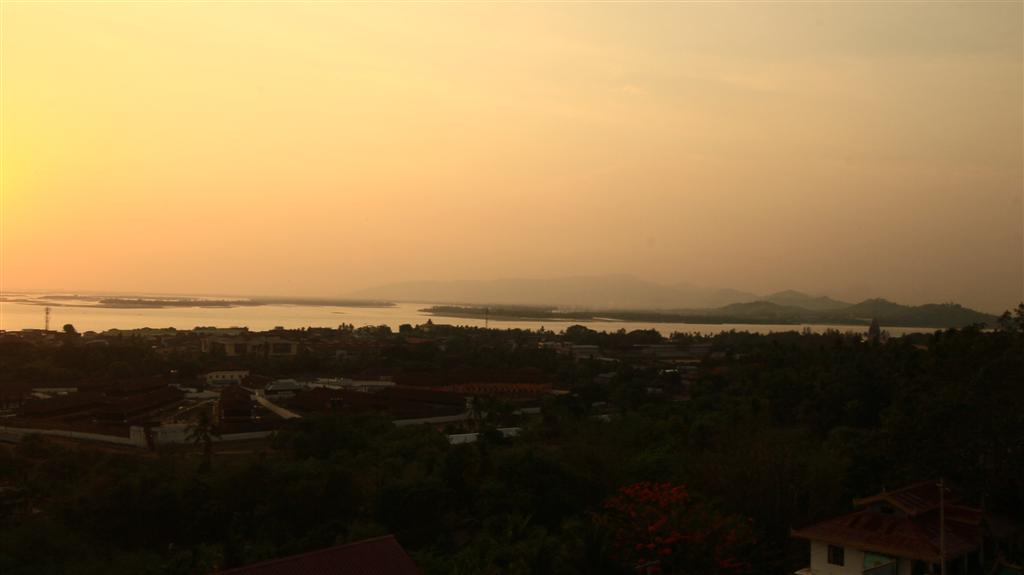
{"x":854,"y":149}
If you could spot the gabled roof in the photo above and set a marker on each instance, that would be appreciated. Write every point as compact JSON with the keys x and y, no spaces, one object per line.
{"x":235,"y":395}
{"x":912,"y":500}
{"x":900,"y":536}
{"x":912,"y":532}
{"x":378,"y":556}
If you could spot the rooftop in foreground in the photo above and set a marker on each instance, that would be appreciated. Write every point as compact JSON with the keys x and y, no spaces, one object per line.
{"x":377,"y":556}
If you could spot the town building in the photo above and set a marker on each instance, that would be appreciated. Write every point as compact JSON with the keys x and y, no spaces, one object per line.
{"x":235,"y":404}
{"x":246,"y":344}
{"x":365,"y":385}
{"x":226,"y":377}
{"x":283,"y":388}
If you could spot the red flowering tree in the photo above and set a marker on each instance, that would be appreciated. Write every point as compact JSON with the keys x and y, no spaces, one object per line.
{"x":659,"y":528}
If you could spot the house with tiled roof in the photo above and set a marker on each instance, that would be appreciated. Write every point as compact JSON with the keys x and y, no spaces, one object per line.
{"x":235,"y":403}
{"x":377,"y":556}
{"x":909,"y":531}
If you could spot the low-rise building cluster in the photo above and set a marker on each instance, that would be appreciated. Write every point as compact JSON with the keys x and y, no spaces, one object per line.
{"x":254,"y":382}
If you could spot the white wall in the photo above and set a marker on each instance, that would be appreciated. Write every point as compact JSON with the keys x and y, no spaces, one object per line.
{"x":162,"y":435}
{"x":439,"y":419}
{"x":16,"y":434}
{"x":853,"y":564}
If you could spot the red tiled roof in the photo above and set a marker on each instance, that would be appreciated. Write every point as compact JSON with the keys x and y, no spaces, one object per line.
{"x":493,"y":388}
{"x":401,"y":403}
{"x":90,"y":405}
{"x":135,"y":387}
{"x":235,"y":393}
{"x":404,"y":393}
{"x":132,"y":406}
{"x":911,"y":537}
{"x":62,"y":405}
{"x":378,"y":556}
{"x":912,"y":500}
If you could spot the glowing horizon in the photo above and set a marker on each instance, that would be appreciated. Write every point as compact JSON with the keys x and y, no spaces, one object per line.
{"x":314,"y":149}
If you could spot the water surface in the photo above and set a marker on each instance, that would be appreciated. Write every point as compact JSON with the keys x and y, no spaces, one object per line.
{"x":15,"y":315}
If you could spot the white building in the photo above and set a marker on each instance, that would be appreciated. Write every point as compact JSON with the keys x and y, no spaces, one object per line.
{"x":283,"y":388}
{"x":226,"y":377}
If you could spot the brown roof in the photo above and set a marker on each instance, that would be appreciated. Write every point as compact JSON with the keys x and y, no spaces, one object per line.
{"x":421,"y":395}
{"x":908,"y":537}
{"x":378,"y":556}
{"x":235,"y":393}
{"x":502,"y":389}
{"x":62,"y":405}
{"x":135,"y":387}
{"x":913,"y":532}
{"x":86,"y":405}
{"x":400,"y":402}
{"x":132,"y":406}
{"x":912,"y":500}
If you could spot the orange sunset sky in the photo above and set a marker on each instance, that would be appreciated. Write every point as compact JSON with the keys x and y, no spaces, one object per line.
{"x":850,"y":148}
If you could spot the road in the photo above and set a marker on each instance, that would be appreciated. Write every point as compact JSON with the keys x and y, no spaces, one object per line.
{"x":280,"y":411}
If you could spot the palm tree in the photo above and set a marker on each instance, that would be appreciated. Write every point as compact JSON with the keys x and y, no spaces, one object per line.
{"x":476,"y":412}
{"x":202,"y":432}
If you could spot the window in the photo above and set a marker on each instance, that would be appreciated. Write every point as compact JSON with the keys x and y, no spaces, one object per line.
{"x":836,"y":555}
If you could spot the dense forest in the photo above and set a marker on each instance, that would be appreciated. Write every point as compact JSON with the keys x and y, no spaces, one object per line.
{"x":778,"y":431}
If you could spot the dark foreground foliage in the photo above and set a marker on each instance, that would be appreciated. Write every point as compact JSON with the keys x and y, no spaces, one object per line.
{"x":781,"y":431}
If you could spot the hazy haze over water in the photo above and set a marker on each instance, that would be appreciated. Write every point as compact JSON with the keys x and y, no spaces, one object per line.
{"x":852,"y":149}
{"x":15,"y":316}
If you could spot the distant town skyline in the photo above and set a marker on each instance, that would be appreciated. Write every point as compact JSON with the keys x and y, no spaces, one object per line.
{"x":853,"y":150}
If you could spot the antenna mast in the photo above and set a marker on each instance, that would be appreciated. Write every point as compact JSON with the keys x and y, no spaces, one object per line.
{"x":47,"y":325}
{"x":942,"y":527}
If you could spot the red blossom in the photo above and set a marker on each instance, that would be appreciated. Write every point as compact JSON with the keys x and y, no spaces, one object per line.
{"x":659,"y":524}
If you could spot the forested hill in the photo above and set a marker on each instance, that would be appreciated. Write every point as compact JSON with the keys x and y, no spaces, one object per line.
{"x":805,"y":301}
{"x":886,"y":312}
{"x":756,"y":312}
{"x":632,"y":299}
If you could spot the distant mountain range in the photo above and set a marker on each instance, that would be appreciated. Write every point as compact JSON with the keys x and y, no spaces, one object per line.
{"x":631,"y":298}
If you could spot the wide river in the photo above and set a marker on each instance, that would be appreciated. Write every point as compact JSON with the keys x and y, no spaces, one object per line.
{"x":17,"y":316}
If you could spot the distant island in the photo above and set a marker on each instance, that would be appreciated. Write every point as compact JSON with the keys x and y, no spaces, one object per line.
{"x":626,"y":298}
{"x":149,"y":303}
{"x":757,"y":312}
{"x":611,"y":298}
{"x":140,"y":302}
